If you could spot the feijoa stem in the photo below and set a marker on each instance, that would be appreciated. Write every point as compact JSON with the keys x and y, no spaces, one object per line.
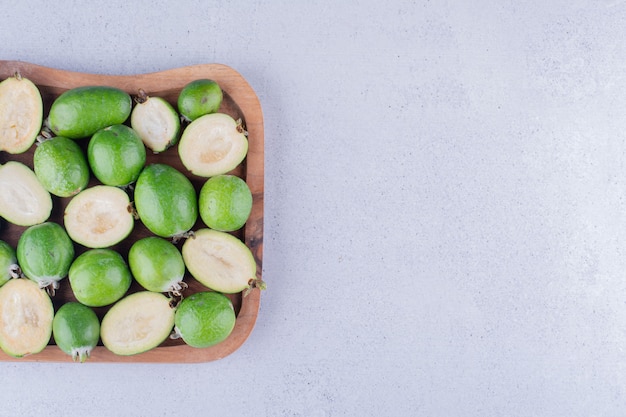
{"x":254,"y":283}
{"x":15,"y":271}
{"x":142,"y":97}
{"x":184,"y":235}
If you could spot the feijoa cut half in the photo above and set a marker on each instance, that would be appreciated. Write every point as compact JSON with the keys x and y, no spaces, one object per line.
{"x":26,"y":315}
{"x":23,"y":199}
{"x":199,"y":97}
{"x":99,"y":216}
{"x":116,"y":155}
{"x":45,"y":253}
{"x":157,"y":264}
{"x":204,"y":319}
{"x":156,"y":122}
{"x":76,"y":330}
{"x":219,"y":260}
{"x":61,"y":166}
{"x":137,"y":323}
{"x":213,"y":144}
{"x":21,"y":114}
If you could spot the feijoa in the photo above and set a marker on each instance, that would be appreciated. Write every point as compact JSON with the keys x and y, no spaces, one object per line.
{"x":82,"y":111}
{"x":61,"y":166}
{"x":21,"y":114}
{"x":213,"y":144}
{"x":156,"y":264}
{"x":165,"y":200}
{"x":199,"y":97}
{"x":76,"y":330}
{"x":156,"y":122}
{"x":204,"y":319}
{"x":45,"y":253}
{"x":225,"y":203}
{"x":26,"y":315}
{"x":23,"y":199}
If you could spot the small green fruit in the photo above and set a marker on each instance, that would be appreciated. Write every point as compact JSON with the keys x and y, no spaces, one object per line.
{"x":76,"y":330}
{"x":198,"y":98}
{"x":116,"y":155}
{"x":225,"y":203}
{"x":204,"y":319}
{"x":61,"y":166}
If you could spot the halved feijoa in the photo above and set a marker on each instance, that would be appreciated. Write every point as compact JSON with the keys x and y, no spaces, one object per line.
{"x":213,"y":144}
{"x":99,"y":277}
{"x":23,"y":199}
{"x":26,"y":315}
{"x":165,"y":200}
{"x":199,"y":97}
{"x":116,"y":155}
{"x":204,"y":319}
{"x":156,"y":264}
{"x":82,"y":111}
{"x":219,"y":260}
{"x":76,"y":330}
{"x":45,"y":253}
{"x":225,"y":202}
{"x":21,"y":114}
{"x":61,"y":166}
{"x":137,"y":323}
{"x":156,"y":122}
{"x":8,"y":263}
{"x":99,"y":216}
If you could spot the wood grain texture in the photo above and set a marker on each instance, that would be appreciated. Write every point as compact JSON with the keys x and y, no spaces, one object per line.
{"x":240,"y":101}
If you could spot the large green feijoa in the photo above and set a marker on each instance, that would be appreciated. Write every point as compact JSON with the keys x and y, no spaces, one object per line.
{"x":199,"y":97}
{"x":8,"y":263}
{"x":219,"y":260}
{"x":225,"y":203}
{"x":21,"y":114}
{"x":156,"y":264}
{"x":204,"y":319}
{"x":61,"y":166}
{"x":156,"y":122}
{"x":99,"y":277}
{"x":165,"y":200}
{"x":23,"y":199}
{"x":99,"y":216}
{"x":116,"y":155}
{"x":76,"y":330}
{"x":45,"y":253}
{"x":213,"y":144}
{"x":82,"y":111}
{"x":26,"y":315}
{"x":137,"y":323}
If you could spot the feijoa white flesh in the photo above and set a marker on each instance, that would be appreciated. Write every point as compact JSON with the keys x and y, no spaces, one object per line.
{"x":219,"y":260}
{"x":213,"y":144}
{"x":99,"y":216}
{"x":26,"y":315}
{"x":21,"y":114}
{"x":23,"y":200}
{"x":137,"y":323}
{"x":156,"y":122}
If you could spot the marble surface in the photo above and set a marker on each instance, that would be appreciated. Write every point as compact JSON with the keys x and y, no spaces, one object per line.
{"x":445,"y":227}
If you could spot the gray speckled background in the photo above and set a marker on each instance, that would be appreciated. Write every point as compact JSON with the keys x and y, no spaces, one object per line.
{"x":445,"y":228}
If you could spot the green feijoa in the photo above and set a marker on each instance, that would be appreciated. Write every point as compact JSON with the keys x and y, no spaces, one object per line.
{"x":21,"y":114}
{"x":61,"y":166}
{"x":82,"y":111}
{"x":156,"y":264}
{"x":45,"y":253}
{"x":8,"y":262}
{"x":116,"y":155}
{"x":199,"y":97}
{"x":204,"y":319}
{"x":76,"y":330}
{"x":26,"y":315}
{"x":165,"y":200}
{"x":99,"y":277}
{"x":156,"y":122}
{"x":225,"y":203}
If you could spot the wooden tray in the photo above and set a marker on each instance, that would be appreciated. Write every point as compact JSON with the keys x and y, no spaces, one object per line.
{"x":240,"y":101}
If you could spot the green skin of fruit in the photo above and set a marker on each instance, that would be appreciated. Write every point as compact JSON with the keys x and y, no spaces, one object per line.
{"x":165,"y":200}
{"x":82,"y":111}
{"x":99,"y":277}
{"x":76,"y":330}
{"x":204,"y":319}
{"x":225,"y":203}
{"x":61,"y":166}
{"x":116,"y":155}
{"x":45,"y":253}
{"x":198,"y":98}
{"x":156,"y":264}
{"x":8,"y":262}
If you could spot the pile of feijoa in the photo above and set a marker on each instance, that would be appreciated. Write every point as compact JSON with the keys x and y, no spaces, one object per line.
{"x":91,"y":166}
